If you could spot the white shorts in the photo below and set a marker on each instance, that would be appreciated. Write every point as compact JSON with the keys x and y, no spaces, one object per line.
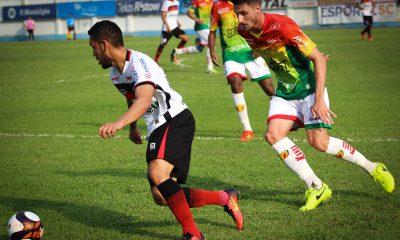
{"x":298,"y":111}
{"x":257,"y":69}
{"x":202,"y":36}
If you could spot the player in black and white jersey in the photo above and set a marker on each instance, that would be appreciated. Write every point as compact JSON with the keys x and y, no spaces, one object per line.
{"x":367,"y":10}
{"x":171,"y":27}
{"x":170,"y":131}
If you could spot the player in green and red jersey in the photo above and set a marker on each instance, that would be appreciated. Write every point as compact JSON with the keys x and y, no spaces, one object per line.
{"x":301,"y":99}
{"x":200,"y":13}
{"x":238,"y":57}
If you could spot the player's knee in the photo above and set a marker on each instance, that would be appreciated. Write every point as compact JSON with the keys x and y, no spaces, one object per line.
{"x":156,"y":177}
{"x":158,"y":199}
{"x":185,"y":38}
{"x":271,"y":137}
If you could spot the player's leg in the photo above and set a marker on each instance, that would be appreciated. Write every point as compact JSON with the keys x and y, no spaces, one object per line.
{"x":165,"y":37}
{"x":167,"y":145}
{"x":235,"y":73}
{"x":283,"y":116}
{"x":178,"y":33}
{"x":193,"y":49}
{"x":260,"y":73}
{"x":366,"y":27}
{"x":318,"y":137}
{"x":159,"y":173}
{"x":370,"y":38}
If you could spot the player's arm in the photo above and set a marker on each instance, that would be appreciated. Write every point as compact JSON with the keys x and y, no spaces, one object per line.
{"x":211,"y":45}
{"x":212,"y":36}
{"x":134,"y":133}
{"x":319,"y":109}
{"x":144,"y":94}
{"x":192,"y":16}
{"x":164,"y":20}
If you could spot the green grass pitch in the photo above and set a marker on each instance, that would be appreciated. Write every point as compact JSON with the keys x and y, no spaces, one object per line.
{"x":54,"y":97}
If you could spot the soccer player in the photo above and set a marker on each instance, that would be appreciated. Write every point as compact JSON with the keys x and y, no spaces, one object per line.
{"x":30,"y":28}
{"x":170,"y":130}
{"x":300,"y":100}
{"x":367,"y":10}
{"x":237,"y":57}
{"x":71,"y":27}
{"x":171,"y":27}
{"x":200,"y":12}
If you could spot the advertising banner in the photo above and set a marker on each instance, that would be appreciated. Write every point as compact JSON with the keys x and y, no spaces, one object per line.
{"x":86,"y":9}
{"x":343,"y":13}
{"x":138,"y":7}
{"x":20,"y":13}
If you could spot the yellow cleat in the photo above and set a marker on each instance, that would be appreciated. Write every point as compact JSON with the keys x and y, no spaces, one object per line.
{"x":316,"y":196}
{"x":382,"y":176}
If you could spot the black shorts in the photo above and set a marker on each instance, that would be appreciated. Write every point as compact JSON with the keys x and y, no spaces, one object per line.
{"x":368,"y":20}
{"x":172,"y":142}
{"x":71,"y":28}
{"x":166,"y":36}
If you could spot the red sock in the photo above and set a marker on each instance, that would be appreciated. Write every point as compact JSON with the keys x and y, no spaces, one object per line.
{"x":158,"y":54}
{"x":201,"y":197}
{"x":181,"y":44}
{"x":176,"y":200}
{"x":179,"y":207}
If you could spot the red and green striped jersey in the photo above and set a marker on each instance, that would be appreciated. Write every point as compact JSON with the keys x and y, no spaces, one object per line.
{"x":285,"y":49}
{"x":202,"y":10}
{"x":234,"y":47}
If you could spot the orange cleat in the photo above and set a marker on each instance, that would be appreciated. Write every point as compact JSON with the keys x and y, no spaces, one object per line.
{"x":232,"y":208}
{"x":247,"y":136}
{"x":370,"y":39}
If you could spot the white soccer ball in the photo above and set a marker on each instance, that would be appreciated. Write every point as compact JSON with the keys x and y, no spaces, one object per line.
{"x":25,"y":225}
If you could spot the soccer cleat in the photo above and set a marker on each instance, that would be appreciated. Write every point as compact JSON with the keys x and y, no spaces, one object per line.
{"x":189,"y":236}
{"x":362,"y":36}
{"x":370,"y":39}
{"x":382,"y":176}
{"x":247,"y":136}
{"x":173,"y":57}
{"x":212,"y":71}
{"x":316,"y":196}
{"x":232,"y":208}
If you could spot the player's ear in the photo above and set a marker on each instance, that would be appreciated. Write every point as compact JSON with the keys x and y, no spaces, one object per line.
{"x":103,"y":45}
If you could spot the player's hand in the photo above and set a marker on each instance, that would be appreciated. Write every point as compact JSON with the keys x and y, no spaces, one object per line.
{"x":168,"y":29}
{"x":108,"y":130}
{"x":321,"y":111}
{"x":135,"y":136}
{"x":326,"y":56}
{"x":214,"y":59}
{"x":200,"y":21}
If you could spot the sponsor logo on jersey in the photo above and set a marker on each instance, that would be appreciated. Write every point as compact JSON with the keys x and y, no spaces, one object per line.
{"x":152,"y":146}
{"x":271,"y":41}
{"x":222,"y":10}
{"x":146,"y":68}
{"x":275,"y":26}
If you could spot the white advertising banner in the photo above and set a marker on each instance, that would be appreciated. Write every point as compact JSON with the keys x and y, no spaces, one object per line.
{"x":384,"y":11}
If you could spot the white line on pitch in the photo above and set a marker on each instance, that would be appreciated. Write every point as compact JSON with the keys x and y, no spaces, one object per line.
{"x":55,"y":135}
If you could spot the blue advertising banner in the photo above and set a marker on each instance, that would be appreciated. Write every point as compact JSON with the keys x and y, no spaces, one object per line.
{"x":20,"y":13}
{"x":86,"y":9}
{"x":138,"y":7}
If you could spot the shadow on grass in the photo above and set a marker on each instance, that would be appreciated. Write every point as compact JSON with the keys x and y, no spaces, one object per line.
{"x":93,"y":216}
{"x":293,"y":198}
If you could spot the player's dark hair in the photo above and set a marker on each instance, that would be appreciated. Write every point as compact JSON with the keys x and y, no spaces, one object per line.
{"x":107,"y":30}
{"x":250,"y":2}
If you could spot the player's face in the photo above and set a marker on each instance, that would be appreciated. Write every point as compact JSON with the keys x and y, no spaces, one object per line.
{"x":99,"y":54}
{"x":247,"y":15}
